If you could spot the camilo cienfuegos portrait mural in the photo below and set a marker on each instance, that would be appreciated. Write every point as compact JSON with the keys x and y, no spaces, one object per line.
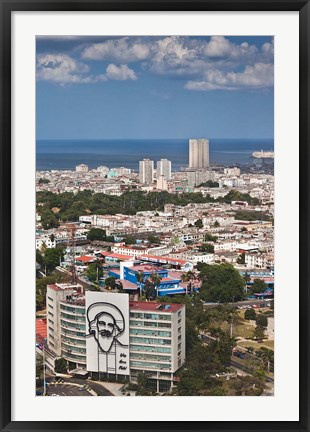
{"x":107,"y":333}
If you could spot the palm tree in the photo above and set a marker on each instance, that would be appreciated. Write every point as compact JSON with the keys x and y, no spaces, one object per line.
{"x":188,"y":277}
{"x":155,"y":278}
{"x":246,"y":278}
{"x":140,"y":280}
{"x":267,"y":356}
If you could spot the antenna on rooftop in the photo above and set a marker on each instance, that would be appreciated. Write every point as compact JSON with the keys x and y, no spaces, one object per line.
{"x":71,"y":243}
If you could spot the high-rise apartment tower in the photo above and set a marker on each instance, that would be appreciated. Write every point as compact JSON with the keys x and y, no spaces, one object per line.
{"x":164,"y":169}
{"x":198,"y":153}
{"x":146,"y":171}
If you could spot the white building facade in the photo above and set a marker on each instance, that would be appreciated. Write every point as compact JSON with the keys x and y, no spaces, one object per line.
{"x":146,"y":171}
{"x":164,"y":169}
{"x":198,"y":153}
{"x":107,"y":334}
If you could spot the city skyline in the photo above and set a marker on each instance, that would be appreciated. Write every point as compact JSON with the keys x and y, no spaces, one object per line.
{"x":156,"y":87}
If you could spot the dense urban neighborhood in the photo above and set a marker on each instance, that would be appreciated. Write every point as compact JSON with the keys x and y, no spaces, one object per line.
{"x":155,"y":282}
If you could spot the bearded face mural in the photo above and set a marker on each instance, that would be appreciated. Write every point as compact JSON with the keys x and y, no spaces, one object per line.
{"x":105,"y":324}
{"x":107,"y":333}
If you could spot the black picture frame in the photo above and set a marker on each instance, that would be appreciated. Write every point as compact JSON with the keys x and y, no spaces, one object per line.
{"x":7,"y":7}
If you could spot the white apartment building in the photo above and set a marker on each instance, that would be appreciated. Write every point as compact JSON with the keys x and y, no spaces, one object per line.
{"x":66,"y":322}
{"x":156,"y":337}
{"x":198,"y":153}
{"x":259,"y":260}
{"x":45,"y":240}
{"x":157,"y":341}
{"x":103,"y":170}
{"x":161,"y":183}
{"x":131,"y":251}
{"x":146,"y":171}
{"x":164,"y":169}
{"x":232,"y":171}
{"x":82,"y":168}
{"x":196,"y":177}
{"x":207,"y":258}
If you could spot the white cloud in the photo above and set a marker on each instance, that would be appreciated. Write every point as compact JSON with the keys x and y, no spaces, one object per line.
{"x":122,"y":50}
{"x":259,"y":76}
{"x":217,"y":63}
{"x":62,"y":69}
{"x":221,"y":47}
{"x":121,"y":73}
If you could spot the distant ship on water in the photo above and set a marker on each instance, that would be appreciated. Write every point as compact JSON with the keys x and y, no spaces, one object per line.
{"x":263,"y":154}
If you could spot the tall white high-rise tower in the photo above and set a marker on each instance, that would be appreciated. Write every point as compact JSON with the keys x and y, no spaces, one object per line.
{"x":198,"y":153}
{"x":146,"y":171}
{"x":164,"y":169}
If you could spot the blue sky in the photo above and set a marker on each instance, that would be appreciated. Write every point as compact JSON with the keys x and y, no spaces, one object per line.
{"x":154,"y":87}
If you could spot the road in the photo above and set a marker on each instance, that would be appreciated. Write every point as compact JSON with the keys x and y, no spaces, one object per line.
{"x":244,"y":368}
{"x":240,"y":303}
{"x":73,"y":390}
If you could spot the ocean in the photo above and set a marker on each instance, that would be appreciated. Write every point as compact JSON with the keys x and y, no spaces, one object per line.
{"x":66,"y":154}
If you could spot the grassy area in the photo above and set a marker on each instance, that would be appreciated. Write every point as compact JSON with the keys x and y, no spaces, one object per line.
{"x":256,"y":345}
{"x":241,"y":328}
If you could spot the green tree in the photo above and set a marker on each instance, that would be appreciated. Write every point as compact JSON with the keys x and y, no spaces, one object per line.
{"x":153,"y":239}
{"x":259,"y":286}
{"x":142,"y":381}
{"x":221,"y":283}
{"x":209,"y":184}
{"x":216,"y":224}
{"x":252,"y":215}
{"x":235,"y":195}
{"x":41,"y":285}
{"x":259,"y":333}
{"x":150,"y":286}
{"x":188,"y":277}
{"x":49,"y":220}
{"x":43,"y":181}
{"x":110,"y":282}
{"x":241,"y":258}
{"x":94,"y":271}
{"x":61,"y":365}
{"x":39,"y":257}
{"x":209,"y":237}
{"x":262,"y":321}
{"x":207,"y":247}
{"x":52,"y":258}
{"x":250,"y":314}
{"x":140,"y":279}
{"x":129,"y":240}
{"x":96,"y":234}
{"x":248,"y":386}
{"x":198,"y":223}
{"x":267,"y":356}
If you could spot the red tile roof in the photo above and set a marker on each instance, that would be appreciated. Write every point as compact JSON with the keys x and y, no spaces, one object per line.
{"x":116,"y":255}
{"x":86,"y":258}
{"x":41,"y":328}
{"x":54,"y":287}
